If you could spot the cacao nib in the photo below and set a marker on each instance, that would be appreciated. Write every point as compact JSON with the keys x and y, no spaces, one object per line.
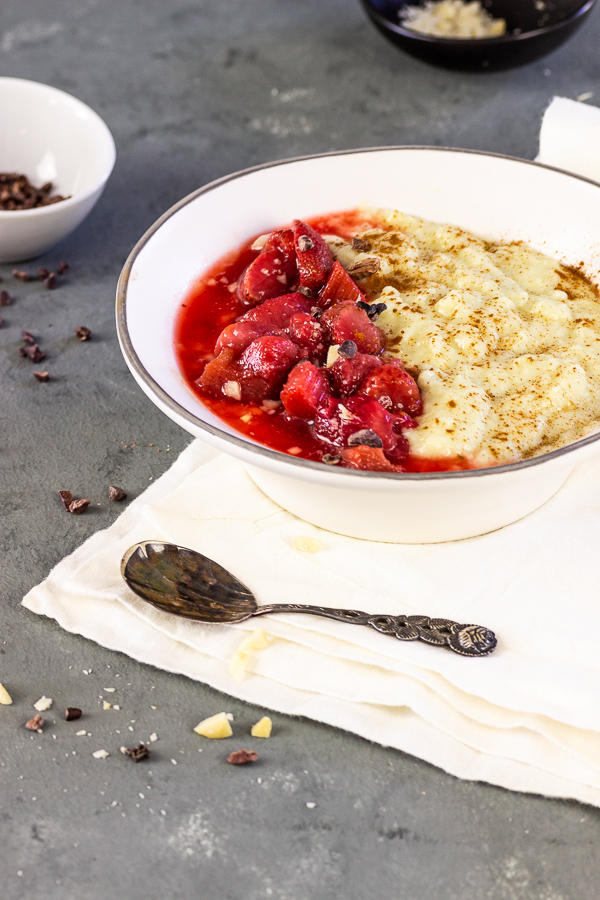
{"x":17,"y":192}
{"x":72,"y":712}
{"x":78,"y":506}
{"x":241,"y":757}
{"x":116,"y":493}
{"x":83,"y":333}
{"x":34,"y":723}
{"x":41,"y":376}
{"x":66,"y":498}
{"x":138,"y":753}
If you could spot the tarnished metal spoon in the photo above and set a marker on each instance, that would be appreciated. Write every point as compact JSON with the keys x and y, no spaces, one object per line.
{"x":186,"y":583}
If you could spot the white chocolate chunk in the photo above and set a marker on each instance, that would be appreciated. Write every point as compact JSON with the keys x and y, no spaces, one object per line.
{"x":262,"y":729}
{"x":305,"y":544}
{"x":238,"y":664}
{"x":43,"y":704}
{"x":216,"y":726}
{"x":5,"y":698}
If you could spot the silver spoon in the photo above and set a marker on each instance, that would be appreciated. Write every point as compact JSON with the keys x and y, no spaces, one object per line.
{"x":186,"y":583}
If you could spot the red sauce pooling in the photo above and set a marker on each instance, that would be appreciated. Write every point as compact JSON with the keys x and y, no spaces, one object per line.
{"x":211,"y":305}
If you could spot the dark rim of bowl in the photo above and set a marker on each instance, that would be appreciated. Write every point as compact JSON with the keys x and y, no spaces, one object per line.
{"x":419,"y":37}
{"x":260,"y":449}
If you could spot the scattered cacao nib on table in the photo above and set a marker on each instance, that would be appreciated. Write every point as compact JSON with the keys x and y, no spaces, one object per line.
{"x":78,"y":506}
{"x":27,"y":337}
{"x":241,"y":757}
{"x":41,"y":376}
{"x":72,"y":712}
{"x":137,"y":754}
{"x":66,"y":498}
{"x":5,"y":298}
{"x":20,"y":275}
{"x":34,"y":352}
{"x":17,"y":193}
{"x":83,"y":333}
{"x":116,"y":493}
{"x":35,"y":723}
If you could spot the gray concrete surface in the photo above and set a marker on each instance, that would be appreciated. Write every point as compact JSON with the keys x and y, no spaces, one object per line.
{"x":192,"y":91}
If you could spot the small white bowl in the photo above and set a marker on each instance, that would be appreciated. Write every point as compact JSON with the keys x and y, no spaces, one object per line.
{"x":49,"y":135}
{"x":496,"y":197}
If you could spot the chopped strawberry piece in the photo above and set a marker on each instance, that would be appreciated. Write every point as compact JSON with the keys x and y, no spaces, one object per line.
{"x":339,"y":288}
{"x":283,"y":241}
{"x":371,"y":459}
{"x":313,"y":256}
{"x":346,"y":375}
{"x":277,"y":311}
{"x":394,"y":388}
{"x":270,"y":317}
{"x":304,"y":330}
{"x":345,"y":321}
{"x":369,"y":415}
{"x":269,"y":275}
{"x":269,"y":358}
{"x":305,"y":391}
{"x":337,"y":423}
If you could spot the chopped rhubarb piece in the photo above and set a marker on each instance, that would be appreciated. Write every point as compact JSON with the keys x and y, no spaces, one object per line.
{"x":393,"y":388}
{"x":370,"y":459}
{"x":269,"y":275}
{"x":313,"y":256}
{"x":346,"y":375}
{"x":305,"y":391}
{"x":221,"y":371}
{"x":304,"y":330}
{"x":339,"y":288}
{"x":270,"y":317}
{"x":268,"y":358}
{"x":347,"y":322}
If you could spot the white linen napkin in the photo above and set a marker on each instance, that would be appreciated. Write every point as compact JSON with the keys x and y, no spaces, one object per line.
{"x":569,"y":137}
{"x":526,"y":718}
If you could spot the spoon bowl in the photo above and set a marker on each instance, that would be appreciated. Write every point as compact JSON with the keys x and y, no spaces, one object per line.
{"x":533,"y":31}
{"x":186,"y":583}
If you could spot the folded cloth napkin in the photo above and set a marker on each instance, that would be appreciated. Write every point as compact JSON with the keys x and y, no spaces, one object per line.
{"x":569,"y":137}
{"x":526,"y":718}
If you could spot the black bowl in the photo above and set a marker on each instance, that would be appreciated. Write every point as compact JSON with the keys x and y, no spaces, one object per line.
{"x":531,"y":33}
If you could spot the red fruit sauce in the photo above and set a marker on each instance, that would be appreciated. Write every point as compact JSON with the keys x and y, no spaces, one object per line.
{"x":211,"y":305}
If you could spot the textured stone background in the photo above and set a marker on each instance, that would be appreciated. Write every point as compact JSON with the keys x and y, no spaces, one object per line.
{"x":192,"y":91}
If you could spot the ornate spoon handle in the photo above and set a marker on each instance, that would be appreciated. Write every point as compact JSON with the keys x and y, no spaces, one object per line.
{"x":468,"y":640}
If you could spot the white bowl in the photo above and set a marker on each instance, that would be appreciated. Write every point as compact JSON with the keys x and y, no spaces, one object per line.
{"x":496,"y":197}
{"x":50,"y":136}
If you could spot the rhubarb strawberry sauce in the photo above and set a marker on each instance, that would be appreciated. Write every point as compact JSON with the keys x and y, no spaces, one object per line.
{"x":280,"y":342}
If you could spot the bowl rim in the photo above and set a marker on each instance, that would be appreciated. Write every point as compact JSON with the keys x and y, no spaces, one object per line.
{"x":276,"y":456}
{"x":77,"y":198}
{"x":419,"y":37}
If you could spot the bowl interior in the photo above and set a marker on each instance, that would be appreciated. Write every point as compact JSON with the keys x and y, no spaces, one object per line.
{"x":496,"y":197}
{"x":521,"y":17}
{"x":51,"y":136}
